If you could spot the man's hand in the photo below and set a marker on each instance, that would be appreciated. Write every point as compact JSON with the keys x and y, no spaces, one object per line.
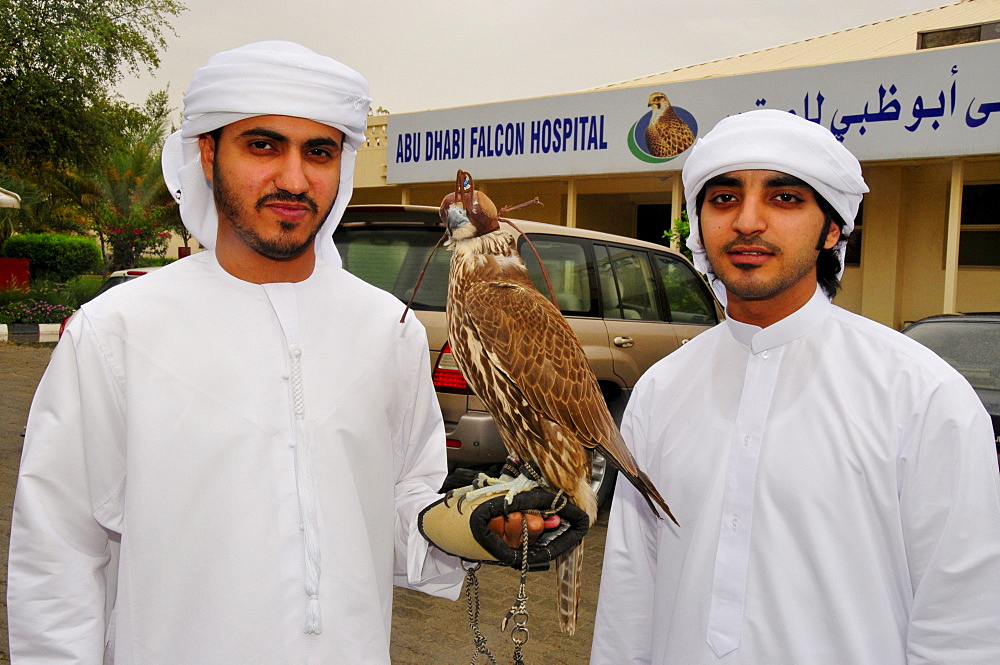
{"x":489,"y":529}
{"x":510,"y":529}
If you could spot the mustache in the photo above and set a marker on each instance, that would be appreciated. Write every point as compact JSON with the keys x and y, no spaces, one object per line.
{"x":750,"y":241}
{"x":283,"y":196}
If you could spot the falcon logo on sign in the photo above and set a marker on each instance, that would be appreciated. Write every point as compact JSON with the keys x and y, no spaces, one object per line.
{"x":664,"y":132}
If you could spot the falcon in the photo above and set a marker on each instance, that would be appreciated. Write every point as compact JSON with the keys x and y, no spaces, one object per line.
{"x":666,"y":135}
{"x":522,"y":359}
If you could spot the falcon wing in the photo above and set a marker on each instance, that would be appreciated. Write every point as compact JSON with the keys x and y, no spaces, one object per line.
{"x":527,"y":339}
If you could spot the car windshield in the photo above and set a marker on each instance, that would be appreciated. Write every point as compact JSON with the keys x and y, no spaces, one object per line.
{"x":971,"y":347}
{"x":392,"y":258}
{"x":114,"y":280}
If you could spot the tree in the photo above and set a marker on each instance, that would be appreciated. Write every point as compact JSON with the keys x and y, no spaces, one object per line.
{"x":58,"y":61}
{"x":40,"y":211}
{"x":679,"y":232}
{"x":122,"y":192}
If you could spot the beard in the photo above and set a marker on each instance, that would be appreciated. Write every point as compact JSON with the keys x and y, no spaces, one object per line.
{"x":284,"y":246}
{"x":740,"y":280}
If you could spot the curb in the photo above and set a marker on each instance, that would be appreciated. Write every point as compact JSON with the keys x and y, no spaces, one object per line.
{"x":29,"y":332}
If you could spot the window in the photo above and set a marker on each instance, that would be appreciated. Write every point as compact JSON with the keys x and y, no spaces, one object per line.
{"x":852,"y":257}
{"x":687,"y":297}
{"x":963,"y":35}
{"x":628,"y":285}
{"x":392,"y":260}
{"x":566,"y":263}
{"x":979,"y":240}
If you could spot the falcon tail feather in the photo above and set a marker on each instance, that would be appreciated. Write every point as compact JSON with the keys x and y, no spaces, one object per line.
{"x":569,"y":569}
{"x":646,"y":488}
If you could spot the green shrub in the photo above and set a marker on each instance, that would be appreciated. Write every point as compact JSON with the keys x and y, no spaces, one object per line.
{"x":81,"y":289}
{"x":152,"y":261}
{"x":54,"y":256}
{"x":8,"y":296}
{"x":47,"y":302}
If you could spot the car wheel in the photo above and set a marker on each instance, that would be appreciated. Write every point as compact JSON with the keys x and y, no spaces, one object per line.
{"x":602,"y":477}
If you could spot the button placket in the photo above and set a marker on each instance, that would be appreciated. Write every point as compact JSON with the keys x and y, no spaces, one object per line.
{"x":732,"y":556}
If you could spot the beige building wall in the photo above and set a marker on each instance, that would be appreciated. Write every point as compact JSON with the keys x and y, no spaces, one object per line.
{"x":902,"y":273}
{"x":902,"y":276}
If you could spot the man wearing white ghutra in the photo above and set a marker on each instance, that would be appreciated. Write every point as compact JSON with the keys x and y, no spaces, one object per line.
{"x":835,"y":482}
{"x":225,"y":460}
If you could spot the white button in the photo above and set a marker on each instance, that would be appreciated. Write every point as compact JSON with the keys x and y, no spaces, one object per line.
{"x":736,"y":523}
{"x":764,"y":355}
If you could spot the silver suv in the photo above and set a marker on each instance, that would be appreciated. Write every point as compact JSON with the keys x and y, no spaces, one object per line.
{"x":630,"y":302}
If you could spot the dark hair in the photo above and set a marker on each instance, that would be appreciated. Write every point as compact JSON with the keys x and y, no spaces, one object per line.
{"x":828,"y":263}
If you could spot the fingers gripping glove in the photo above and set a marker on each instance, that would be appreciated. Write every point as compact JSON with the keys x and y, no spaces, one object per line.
{"x":461,"y":527}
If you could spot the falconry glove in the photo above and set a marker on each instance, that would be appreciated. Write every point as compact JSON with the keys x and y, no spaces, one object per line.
{"x":460,"y":526}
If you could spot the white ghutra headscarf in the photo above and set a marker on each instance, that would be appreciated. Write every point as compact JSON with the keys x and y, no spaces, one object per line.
{"x":774,"y":141}
{"x":264,"y":78}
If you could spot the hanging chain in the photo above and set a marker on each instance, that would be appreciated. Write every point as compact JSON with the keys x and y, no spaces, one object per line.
{"x":518,"y":613}
{"x":472,"y":593}
{"x":519,"y":610}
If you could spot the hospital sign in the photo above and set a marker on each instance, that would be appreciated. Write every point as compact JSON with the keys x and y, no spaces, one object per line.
{"x":933,"y":103}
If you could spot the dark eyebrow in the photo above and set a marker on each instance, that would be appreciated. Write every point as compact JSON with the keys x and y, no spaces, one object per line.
{"x":322,"y":142}
{"x":786,"y":181}
{"x":723,"y":180}
{"x":265,"y":133}
{"x":318,"y":142}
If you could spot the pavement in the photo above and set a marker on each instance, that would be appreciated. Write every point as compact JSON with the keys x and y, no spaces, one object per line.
{"x":425,"y":629}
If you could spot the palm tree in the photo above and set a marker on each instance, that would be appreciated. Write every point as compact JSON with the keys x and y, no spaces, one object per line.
{"x":40,"y":211}
{"x":122,"y":192}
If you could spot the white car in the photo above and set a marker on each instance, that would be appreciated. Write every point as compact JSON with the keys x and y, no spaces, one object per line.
{"x":114,"y":279}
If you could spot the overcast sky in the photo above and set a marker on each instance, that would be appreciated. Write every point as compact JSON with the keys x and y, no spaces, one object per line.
{"x":431,"y":54}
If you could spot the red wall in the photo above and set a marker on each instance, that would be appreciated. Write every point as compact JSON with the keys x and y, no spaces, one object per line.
{"x":14,"y":273}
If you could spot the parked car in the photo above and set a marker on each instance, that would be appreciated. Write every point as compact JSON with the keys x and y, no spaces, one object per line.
{"x":630,"y":302}
{"x":971,"y":344}
{"x":114,"y":279}
{"x":122,"y":276}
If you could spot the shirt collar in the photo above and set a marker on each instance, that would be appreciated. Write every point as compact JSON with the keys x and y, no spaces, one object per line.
{"x":793,"y":326}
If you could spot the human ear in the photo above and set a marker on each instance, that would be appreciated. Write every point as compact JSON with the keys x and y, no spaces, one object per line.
{"x":206,"y":144}
{"x":832,"y":235}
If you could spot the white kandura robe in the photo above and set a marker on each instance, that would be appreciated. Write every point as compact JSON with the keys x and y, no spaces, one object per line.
{"x":167,"y":419}
{"x":837,"y":491}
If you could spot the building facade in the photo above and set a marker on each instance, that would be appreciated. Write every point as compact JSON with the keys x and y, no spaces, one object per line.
{"x":916,"y":98}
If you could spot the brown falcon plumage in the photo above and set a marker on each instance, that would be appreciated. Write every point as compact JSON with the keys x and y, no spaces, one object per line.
{"x":666,"y":135}
{"x":523,"y":360}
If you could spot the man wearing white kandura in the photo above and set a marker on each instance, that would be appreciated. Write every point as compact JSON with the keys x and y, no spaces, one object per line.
{"x":226,"y":458}
{"x":835,"y":482}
